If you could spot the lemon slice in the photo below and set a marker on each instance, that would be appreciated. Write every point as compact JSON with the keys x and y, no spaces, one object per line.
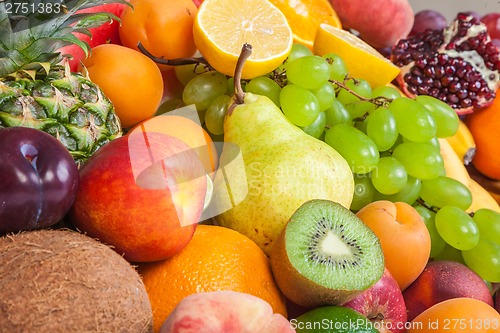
{"x":305,"y":16}
{"x":362,"y":60}
{"x":221,"y":28}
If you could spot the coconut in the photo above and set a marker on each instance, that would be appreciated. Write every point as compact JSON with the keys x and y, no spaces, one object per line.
{"x":64,"y":281}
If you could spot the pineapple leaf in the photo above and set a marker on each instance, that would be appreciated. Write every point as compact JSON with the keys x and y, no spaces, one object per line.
{"x":34,"y":40}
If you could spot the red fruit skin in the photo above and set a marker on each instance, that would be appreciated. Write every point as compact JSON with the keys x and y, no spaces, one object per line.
{"x":380,"y":23}
{"x":106,"y":33}
{"x":198,"y":2}
{"x":141,"y":195}
{"x":442,"y":280}
{"x":492,"y":22}
{"x":497,"y":301}
{"x":383,"y":304}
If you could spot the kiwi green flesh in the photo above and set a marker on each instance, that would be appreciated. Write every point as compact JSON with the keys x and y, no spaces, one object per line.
{"x":329,"y":245}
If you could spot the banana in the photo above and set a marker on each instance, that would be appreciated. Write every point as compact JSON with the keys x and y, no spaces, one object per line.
{"x":455,"y":169}
{"x":452,"y":164}
{"x":481,"y":198}
{"x":463,"y":143}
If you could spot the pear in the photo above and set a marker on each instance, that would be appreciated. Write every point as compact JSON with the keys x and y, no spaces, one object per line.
{"x":283,"y":167}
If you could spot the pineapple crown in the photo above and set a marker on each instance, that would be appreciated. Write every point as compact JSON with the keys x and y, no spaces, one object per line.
{"x":31,"y":41}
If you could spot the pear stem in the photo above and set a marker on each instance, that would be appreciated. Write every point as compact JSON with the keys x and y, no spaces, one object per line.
{"x":239,"y":94}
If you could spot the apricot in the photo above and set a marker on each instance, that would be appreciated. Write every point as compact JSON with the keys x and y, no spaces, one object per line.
{"x":442,"y":280}
{"x":457,"y":315}
{"x":405,"y":240}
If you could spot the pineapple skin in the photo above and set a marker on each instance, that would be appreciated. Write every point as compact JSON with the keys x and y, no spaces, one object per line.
{"x":64,"y":104}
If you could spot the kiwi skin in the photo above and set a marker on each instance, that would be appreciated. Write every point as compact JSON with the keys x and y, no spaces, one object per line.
{"x":64,"y":281}
{"x":302,"y":290}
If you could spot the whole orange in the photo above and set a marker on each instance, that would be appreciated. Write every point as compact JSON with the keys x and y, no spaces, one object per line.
{"x":132,"y":81}
{"x":403,"y":235}
{"x":186,"y":130}
{"x":216,"y":258}
{"x":484,"y":125}
{"x":164,"y":27}
{"x":457,"y":315}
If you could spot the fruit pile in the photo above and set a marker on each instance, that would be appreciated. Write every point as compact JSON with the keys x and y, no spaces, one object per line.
{"x":266,"y":166}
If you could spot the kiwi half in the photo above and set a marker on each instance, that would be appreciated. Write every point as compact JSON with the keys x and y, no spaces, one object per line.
{"x":325,"y":255}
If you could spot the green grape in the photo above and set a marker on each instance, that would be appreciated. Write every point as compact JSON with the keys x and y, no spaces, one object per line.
{"x":309,"y":72}
{"x":185,"y":73}
{"x":337,"y":114}
{"x":353,"y":104}
{"x":298,"y":51}
{"x":450,"y":253}
{"x":445,"y":116}
{"x":356,"y":147}
{"x":338,"y":68}
{"x":414,"y":121}
{"x":409,"y":193}
{"x":484,"y":259}
{"x":361,"y":124}
{"x":488,"y":222}
{"x":325,"y":95}
{"x":266,"y":87}
{"x":317,"y":127}
{"x":445,"y":191}
{"x":364,"y":192}
{"x":433,"y":142}
{"x":381,"y":128}
{"x":214,"y":116}
{"x":169,"y":105}
{"x":437,"y":242}
{"x":386,"y":91}
{"x":299,"y":105}
{"x":389,"y":177}
{"x":421,"y":160}
{"x":204,"y":88}
{"x":457,"y":228}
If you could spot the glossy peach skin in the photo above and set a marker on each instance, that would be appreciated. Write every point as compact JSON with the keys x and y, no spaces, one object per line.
{"x":143,"y":197}
{"x":403,"y":235}
{"x":442,"y":280}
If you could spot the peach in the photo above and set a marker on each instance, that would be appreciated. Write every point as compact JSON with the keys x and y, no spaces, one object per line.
{"x":380,"y":23}
{"x":143,"y":194}
{"x":405,"y":240}
{"x":442,"y":280}
{"x":224,"y":311}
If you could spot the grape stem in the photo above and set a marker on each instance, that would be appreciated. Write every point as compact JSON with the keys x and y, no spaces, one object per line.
{"x":433,"y":208}
{"x":378,"y":101}
{"x":172,"y":62}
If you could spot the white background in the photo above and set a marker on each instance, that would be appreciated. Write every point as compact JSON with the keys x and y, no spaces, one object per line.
{"x":451,"y":7}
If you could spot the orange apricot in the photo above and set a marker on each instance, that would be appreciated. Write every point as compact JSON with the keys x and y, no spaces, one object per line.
{"x":403,"y":235}
{"x":457,"y":315}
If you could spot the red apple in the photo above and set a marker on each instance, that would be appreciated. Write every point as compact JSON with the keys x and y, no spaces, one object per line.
{"x":383,"y":304}
{"x":442,"y":280}
{"x":106,"y":33}
{"x":143,"y":194}
{"x":225,"y":311}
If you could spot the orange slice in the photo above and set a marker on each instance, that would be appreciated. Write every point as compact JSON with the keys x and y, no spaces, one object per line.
{"x":362,"y":60}
{"x":305,"y":16}
{"x":221,"y":28}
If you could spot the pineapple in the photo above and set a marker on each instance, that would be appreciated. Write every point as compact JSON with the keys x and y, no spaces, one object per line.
{"x":37,"y":88}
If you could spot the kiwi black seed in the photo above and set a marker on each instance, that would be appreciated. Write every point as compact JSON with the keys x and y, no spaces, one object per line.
{"x":325,"y":255}
{"x":63,"y":281}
